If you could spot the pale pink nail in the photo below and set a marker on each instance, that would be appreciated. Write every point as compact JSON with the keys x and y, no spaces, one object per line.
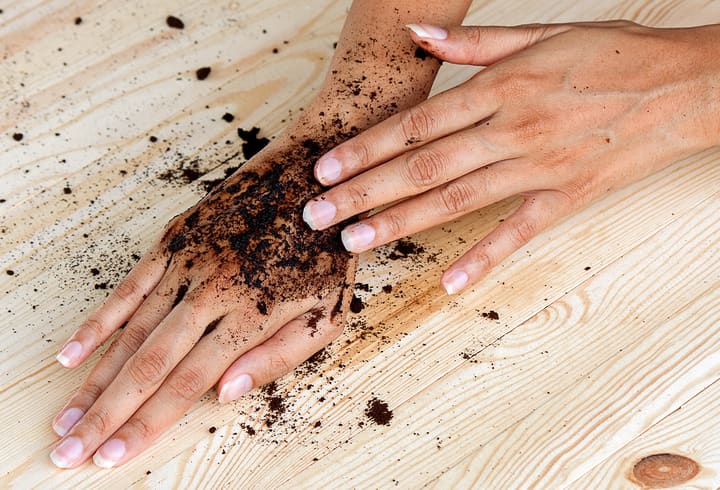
{"x":319,"y":214}
{"x":67,"y":453}
{"x":70,"y":354}
{"x":357,"y":237}
{"x":67,"y":420}
{"x":455,"y":281}
{"x":235,"y":388}
{"x":109,"y":453}
{"x":427,"y":31}
{"x":328,"y":170}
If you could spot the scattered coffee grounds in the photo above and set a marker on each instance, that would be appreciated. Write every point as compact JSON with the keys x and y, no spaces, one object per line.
{"x":212,"y":429}
{"x":588,"y":268}
{"x":148,"y":472}
{"x":174,"y":22}
{"x":153,"y":139}
{"x":276,"y":50}
{"x":18,"y":136}
{"x":421,"y":53}
{"x":276,"y":404}
{"x":404,"y":249}
{"x":387,"y":288}
{"x":361,"y":286}
{"x":248,"y":429}
{"x":203,"y":73}
{"x":262,"y":307}
{"x":186,"y":173}
{"x":492,"y":315}
{"x":356,"y":304}
{"x":67,"y":190}
{"x":378,"y":411}
{"x":227,"y":117}
{"x":252,"y":144}
{"x":316,"y":315}
{"x":95,"y":271}
{"x":78,"y":21}
{"x":10,"y":272}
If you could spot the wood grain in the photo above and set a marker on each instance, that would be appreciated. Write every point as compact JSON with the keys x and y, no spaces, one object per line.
{"x":618,"y":347}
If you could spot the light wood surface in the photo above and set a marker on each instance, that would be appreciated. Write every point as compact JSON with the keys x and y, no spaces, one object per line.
{"x":585,"y":373}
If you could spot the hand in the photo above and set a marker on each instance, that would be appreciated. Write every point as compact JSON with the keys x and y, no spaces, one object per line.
{"x":236,"y":285}
{"x":561,"y":115}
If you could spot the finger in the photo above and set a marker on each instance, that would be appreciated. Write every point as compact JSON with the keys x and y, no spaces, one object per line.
{"x":156,"y":307}
{"x":138,"y":379}
{"x":409,"y":174}
{"x":442,"y":204}
{"x":117,"y":308}
{"x":193,"y":377}
{"x":289,"y":347}
{"x":434,"y":118}
{"x":538,"y":212}
{"x":478,"y":45}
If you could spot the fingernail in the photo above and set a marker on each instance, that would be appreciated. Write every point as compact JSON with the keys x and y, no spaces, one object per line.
{"x":319,"y":214}
{"x":67,"y":453}
{"x":428,"y":32}
{"x":109,"y":453}
{"x":235,"y":388}
{"x":70,"y":354}
{"x":356,"y":237}
{"x":328,"y":170}
{"x":455,"y":281}
{"x":67,"y":420}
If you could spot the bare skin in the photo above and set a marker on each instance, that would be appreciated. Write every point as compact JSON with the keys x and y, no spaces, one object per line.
{"x":237,"y":290}
{"x":562,"y":115}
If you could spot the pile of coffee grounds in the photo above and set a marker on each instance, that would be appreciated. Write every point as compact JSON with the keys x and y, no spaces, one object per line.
{"x":492,"y":315}
{"x":405,"y":248}
{"x":275,"y":402}
{"x":378,"y":411}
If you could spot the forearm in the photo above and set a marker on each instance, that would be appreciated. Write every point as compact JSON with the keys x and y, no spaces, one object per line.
{"x":376,"y":70}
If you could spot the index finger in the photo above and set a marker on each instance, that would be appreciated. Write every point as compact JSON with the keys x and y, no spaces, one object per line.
{"x":443,"y":114}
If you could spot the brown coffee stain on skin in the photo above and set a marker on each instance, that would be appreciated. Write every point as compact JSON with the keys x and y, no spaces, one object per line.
{"x":664,"y":470}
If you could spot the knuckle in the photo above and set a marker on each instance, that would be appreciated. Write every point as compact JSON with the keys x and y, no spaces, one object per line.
{"x":279,"y":365}
{"x":93,"y":328}
{"x":148,"y":367}
{"x":91,"y":390}
{"x":355,"y":152}
{"x":521,"y":231}
{"x":141,"y":428}
{"x":127,"y":290}
{"x":98,"y":420}
{"x":457,"y":197}
{"x":357,"y":195}
{"x":481,"y":259}
{"x":132,"y":338}
{"x":416,"y":124}
{"x":187,"y":383}
{"x":395,"y":223}
{"x":424,"y":167}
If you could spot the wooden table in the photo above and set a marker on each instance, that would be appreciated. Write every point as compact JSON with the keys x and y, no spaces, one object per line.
{"x":607,"y":345}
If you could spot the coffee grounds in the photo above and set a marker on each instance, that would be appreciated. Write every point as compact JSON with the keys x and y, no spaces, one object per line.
{"x":212,"y":429}
{"x":67,"y":190}
{"x":78,"y":21}
{"x":387,"y":288}
{"x":203,"y":73}
{"x":10,"y":272}
{"x":174,"y":22}
{"x":252,"y":144}
{"x":18,"y":136}
{"x":153,"y":139}
{"x":356,"y":304}
{"x":316,"y":314}
{"x":420,"y":53}
{"x":492,"y":315}
{"x":404,"y":249}
{"x":378,"y":411}
{"x":227,"y":117}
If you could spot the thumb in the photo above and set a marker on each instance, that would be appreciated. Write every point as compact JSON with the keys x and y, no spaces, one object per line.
{"x":472,"y":45}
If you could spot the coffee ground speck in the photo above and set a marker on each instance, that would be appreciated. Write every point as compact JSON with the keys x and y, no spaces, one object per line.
{"x":378,"y":411}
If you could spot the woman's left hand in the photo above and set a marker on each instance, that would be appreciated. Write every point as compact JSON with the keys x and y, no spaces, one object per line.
{"x":561,"y":115}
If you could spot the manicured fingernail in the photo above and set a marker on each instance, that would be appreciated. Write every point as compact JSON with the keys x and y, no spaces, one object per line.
{"x":319,"y":214}
{"x":67,"y":420}
{"x":70,"y":354}
{"x":357,"y":237}
{"x":427,"y":31}
{"x":328,"y":170}
{"x":455,"y":281}
{"x":235,"y":388}
{"x":109,"y":453}
{"x":67,"y":453}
